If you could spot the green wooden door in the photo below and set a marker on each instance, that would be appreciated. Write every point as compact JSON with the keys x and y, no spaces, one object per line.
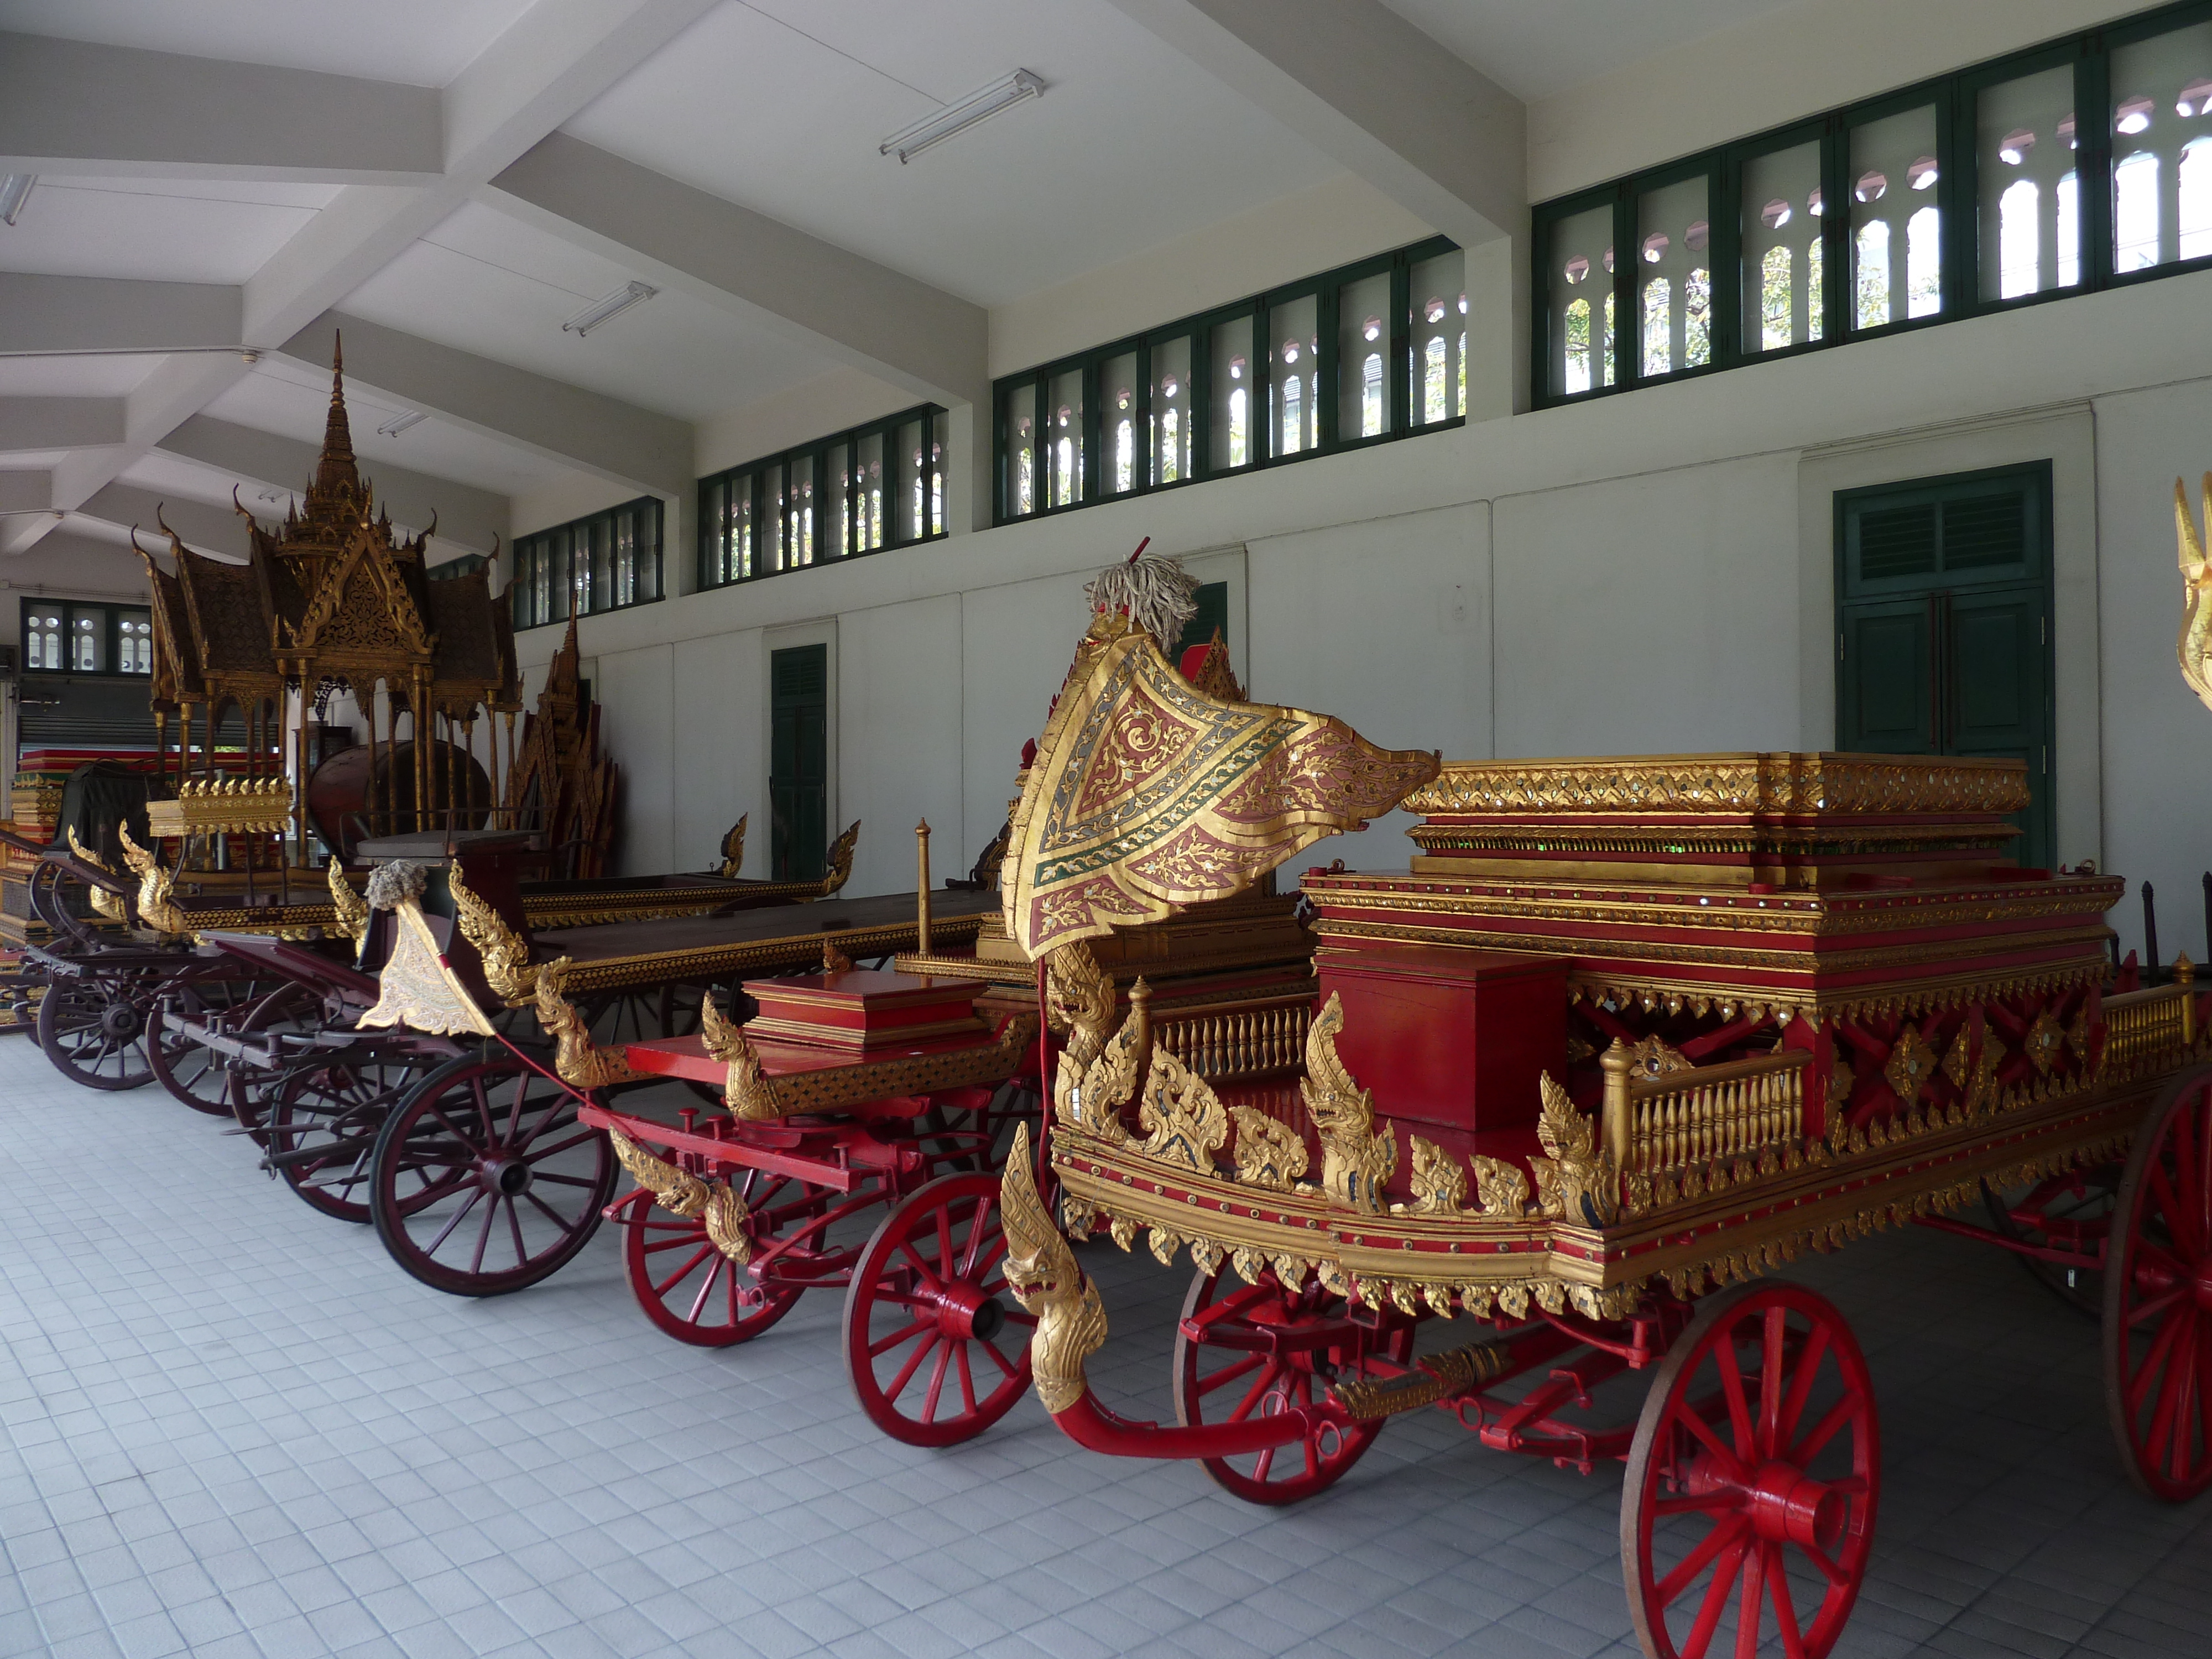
{"x":799,"y":762}
{"x":1943,"y":626}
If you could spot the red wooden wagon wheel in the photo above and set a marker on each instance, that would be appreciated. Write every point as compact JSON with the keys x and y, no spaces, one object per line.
{"x":195,"y":1074}
{"x":483,"y":1180}
{"x":937,"y":1349}
{"x":321,"y":1121}
{"x":93,"y":1027}
{"x":1749,"y":1503}
{"x":2158,"y":1296}
{"x":287,"y":1008}
{"x":1242,"y":1350}
{"x":689,"y":1289}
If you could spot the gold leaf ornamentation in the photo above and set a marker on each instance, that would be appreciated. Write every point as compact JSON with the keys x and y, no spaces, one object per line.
{"x":1501,"y":1186}
{"x":1269,"y":1153}
{"x":1656,"y":1057}
{"x":725,"y":1224}
{"x":104,"y":903}
{"x":1958,"y":1062}
{"x":1164,"y":1245}
{"x":1356,"y":1158}
{"x":1184,"y":1118}
{"x":1041,"y":1273}
{"x":841,"y":859}
{"x":746,"y":1090}
{"x":2081,"y":1037}
{"x":733,"y":847}
{"x":504,"y":953}
{"x":1576,"y":1180}
{"x":353,"y":911}
{"x":1911,"y":1062}
{"x":581,"y":1063}
{"x":1438,"y":1183}
{"x":672,"y":1189}
{"x":156,"y":910}
{"x":2043,"y":1041}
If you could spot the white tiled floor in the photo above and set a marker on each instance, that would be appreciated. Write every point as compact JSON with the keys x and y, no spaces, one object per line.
{"x":233,"y":1427}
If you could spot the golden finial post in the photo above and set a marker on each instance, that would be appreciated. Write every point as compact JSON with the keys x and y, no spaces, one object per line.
{"x":922,"y":888}
{"x":2185,"y":976}
{"x":1616,"y":1062}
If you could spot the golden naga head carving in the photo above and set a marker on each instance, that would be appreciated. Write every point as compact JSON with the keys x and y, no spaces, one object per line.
{"x":580,"y":1062}
{"x":2195,"y":646}
{"x":503,"y":953}
{"x":1041,"y":1272}
{"x":353,"y":910}
{"x":733,"y":847}
{"x":841,"y":859}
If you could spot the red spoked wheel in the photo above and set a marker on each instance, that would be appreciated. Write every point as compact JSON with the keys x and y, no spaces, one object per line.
{"x":937,"y":1348}
{"x":1748,"y":1508}
{"x":2158,"y":1296}
{"x":482,"y":1181}
{"x":290,"y":1008}
{"x":689,"y":1289}
{"x":1245,"y":1350}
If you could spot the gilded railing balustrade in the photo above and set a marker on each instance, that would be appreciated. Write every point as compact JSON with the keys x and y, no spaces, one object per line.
{"x":1708,"y":1112}
{"x":1241,"y":1043}
{"x":2149,"y":1029}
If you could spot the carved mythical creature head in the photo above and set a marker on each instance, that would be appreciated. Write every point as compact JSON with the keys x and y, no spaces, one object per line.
{"x":1041,"y":1270}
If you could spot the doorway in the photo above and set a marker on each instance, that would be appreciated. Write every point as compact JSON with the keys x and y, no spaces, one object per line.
{"x":1943,"y":626}
{"x":799,"y":762}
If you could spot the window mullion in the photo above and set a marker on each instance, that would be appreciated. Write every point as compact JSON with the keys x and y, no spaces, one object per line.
{"x":1201,"y":401}
{"x":1398,"y":391}
{"x":2093,"y":162}
{"x":1958,"y":194}
{"x":1328,"y":369}
{"x":1836,"y":230}
{"x":1724,"y":214}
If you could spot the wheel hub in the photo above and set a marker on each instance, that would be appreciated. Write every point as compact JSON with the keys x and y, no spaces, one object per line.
{"x":120,"y":1022}
{"x":965,"y":1313}
{"x":507,"y":1177}
{"x":1788,"y":1505}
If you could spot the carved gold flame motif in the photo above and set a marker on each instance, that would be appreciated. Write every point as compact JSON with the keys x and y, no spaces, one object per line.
{"x":2195,"y":646}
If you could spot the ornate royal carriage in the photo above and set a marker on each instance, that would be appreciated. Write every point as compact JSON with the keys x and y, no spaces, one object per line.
{"x":1627,"y":1035}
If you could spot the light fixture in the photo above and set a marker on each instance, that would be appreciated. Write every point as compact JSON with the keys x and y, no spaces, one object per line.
{"x":13,"y":189}
{"x":399,"y":424}
{"x":606,"y":305}
{"x":962,"y":114}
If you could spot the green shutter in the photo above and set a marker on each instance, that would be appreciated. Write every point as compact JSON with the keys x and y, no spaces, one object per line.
{"x":799,"y":762}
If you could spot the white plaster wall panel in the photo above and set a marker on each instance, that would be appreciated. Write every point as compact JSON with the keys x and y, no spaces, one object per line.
{"x":899,"y":740}
{"x":2158,"y":787}
{"x":636,"y":690}
{"x":1021,"y":637}
{"x":1656,"y":615}
{"x":1387,"y":624}
{"x":720,"y":770}
{"x":2068,"y":439}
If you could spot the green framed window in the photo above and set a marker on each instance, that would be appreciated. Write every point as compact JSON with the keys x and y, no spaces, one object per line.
{"x":605,"y":560}
{"x":860,"y":491}
{"x":2069,"y":168}
{"x":73,"y":636}
{"x":1360,"y":355}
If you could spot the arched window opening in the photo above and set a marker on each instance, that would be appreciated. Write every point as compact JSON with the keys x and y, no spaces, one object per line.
{"x":1577,"y":377}
{"x":2068,"y":194}
{"x":2020,"y":262}
{"x":1924,"y":263}
{"x":2193,"y":208}
{"x":2135,"y":212}
{"x":1873,"y":308}
{"x":1777,"y":297}
{"x":1658,"y":312}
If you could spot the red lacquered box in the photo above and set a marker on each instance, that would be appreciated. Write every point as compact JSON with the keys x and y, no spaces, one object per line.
{"x":1448,"y":1037}
{"x":863,"y":1010}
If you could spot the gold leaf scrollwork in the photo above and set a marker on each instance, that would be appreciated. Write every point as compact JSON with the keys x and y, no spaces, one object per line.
{"x":733,"y":848}
{"x":156,"y":910}
{"x":1911,"y":1062}
{"x":2043,"y":1041}
{"x":581,"y":1063}
{"x":1958,"y":1061}
{"x":1575,"y":1182}
{"x":1097,"y":1076}
{"x":1356,"y":1158}
{"x":504,"y":953}
{"x":2081,"y":1038}
{"x":746,"y":1090}
{"x":1655,"y":1057}
{"x":672,"y":1189}
{"x":1185,"y":1119}
{"x":104,"y":903}
{"x":1041,"y":1273}
{"x":353,"y":910}
{"x":1501,"y":1186}
{"x":1438,"y":1183}
{"x":1269,"y":1154}
{"x":841,"y":859}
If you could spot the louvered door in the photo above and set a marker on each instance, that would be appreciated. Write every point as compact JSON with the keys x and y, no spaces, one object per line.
{"x":1943,"y":626}
{"x":799,"y":762}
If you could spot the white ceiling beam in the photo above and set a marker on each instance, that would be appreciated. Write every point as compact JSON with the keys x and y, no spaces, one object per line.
{"x":548,"y":64}
{"x":40,"y":314}
{"x":209,"y":528}
{"x":70,"y":106}
{"x":28,"y":424}
{"x":1372,"y":91}
{"x":471,"y":516}
{"x":828,"y":298}
{"x":587,"y":430}
{"x":27,"y":491}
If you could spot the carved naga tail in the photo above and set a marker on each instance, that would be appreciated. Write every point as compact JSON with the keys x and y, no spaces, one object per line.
{"x":1042,"y":1274}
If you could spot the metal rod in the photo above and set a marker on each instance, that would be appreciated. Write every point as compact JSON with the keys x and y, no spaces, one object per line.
{"x":2150,"y":936}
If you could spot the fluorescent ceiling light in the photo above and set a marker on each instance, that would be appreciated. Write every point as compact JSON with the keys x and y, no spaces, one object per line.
{"x":399,"y":424}
{"x":13,"y":189}
{"x":606,"y":305}
{"x":962,"y":114}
